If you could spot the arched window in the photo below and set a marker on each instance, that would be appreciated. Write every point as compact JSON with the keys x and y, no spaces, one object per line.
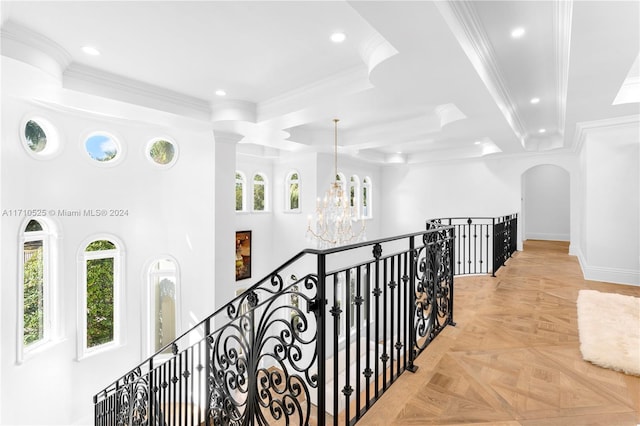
{"x":259,"y":193}
{"x":36,"y":291}
{"x":354,"y":196}
{"x":100,"y":313}
{"x":366,"y":198}
{"x":163,"y":306}
{"x":292,"y":190}
{"x":241,"y":192}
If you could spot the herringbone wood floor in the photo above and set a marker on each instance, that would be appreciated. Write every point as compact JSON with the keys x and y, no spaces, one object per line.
{"x":514,"y":357}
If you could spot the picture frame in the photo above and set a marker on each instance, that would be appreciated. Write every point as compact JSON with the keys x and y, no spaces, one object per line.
{"x":243,"y":255}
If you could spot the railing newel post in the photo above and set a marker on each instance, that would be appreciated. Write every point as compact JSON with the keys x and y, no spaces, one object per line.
{"x":452,"y":256}
{"x":411,"y":312}
{"x":321,"y":337}
{"x":207,"y":373}
{"x":494,"y":248}
{"x":150,"y":391}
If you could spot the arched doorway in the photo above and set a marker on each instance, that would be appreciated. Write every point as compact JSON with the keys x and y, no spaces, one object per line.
{"x":545,"y":203}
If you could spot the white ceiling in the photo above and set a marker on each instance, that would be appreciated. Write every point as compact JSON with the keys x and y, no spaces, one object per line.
{"x":416,"y":81}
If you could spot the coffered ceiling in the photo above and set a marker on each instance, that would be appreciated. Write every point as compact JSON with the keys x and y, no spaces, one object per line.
{"x":413,"y":81}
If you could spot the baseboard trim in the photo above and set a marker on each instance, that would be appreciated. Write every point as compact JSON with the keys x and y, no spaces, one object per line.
{"x":548,"y":237}
{"x":609,"y":275}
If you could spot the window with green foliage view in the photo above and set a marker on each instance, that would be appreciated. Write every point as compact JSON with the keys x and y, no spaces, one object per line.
{"x":162,"y":152}
{"x":33,"y":293}
{"x":35,"y":285}
{"x":258,"y":192}
{"x":35,"y":136}
{"x":366,"y":198}
{"x":100,"y":292}
{"x":293,"y":191}
{"x":240,"y":192}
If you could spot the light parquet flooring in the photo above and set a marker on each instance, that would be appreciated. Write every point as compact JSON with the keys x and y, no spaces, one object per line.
{"x":514,"y":356}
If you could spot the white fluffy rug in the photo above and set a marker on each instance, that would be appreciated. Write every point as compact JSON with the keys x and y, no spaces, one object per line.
{"x":609,"y":328}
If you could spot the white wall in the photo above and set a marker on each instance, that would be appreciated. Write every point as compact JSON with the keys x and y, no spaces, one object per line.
{"x":609,"y":250}
{"x":416,"y":192}
{"x":169,"y":212}
{"x":482,"y":187}
{"x":225,"y":216}
{"x":289,"y":228}
{"x":546,"y":203}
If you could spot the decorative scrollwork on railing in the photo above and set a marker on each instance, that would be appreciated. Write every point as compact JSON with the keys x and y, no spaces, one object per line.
{"x":433,"y":286}
{"x":261,"y":361}
{"x":260,"y":358}
{"x":140,"y":409}
{"x":444,"y":282}
{"x":132,"y":399}
{"x":425,"y":276}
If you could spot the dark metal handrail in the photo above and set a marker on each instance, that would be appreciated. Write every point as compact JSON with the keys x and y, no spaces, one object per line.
{"x":320,"y":349}
{"x":483,"y":244}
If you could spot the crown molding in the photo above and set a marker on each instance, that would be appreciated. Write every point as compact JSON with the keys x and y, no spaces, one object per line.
{"x":375,"y":51}
{"x":26,"y":45}
{"x":344,"y":83}
{"x":584,"y":128}
{"x":97,"y":82}
{"x":462,"y":19}
{"x":226,"y":137}
{"x":562,"y":15}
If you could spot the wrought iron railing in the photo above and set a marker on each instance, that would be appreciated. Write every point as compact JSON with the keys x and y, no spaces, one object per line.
{"x":319,"y":349}
{"x":483,"y":244}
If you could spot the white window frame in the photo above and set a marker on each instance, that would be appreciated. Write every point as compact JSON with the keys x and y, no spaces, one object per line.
{"x":265,"y":192}
{"x":50,"y":321}
{"x":243,"y":181}
{"x":367,"y":213}
{"x":287,"y":191}
{"x":152,"y":274}
{"x":118,"y":297}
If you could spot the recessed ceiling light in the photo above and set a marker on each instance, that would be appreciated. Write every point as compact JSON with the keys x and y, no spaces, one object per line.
{"x":542,"y":131}
{"x":517,"y":32}
{"x":338,"y":37}
{"x":221,"y":93}
{"x":534,"y":100}
{"x":90,"y":50}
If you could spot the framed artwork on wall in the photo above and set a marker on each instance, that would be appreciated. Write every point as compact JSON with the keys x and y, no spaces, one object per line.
{"x":243,"y":255}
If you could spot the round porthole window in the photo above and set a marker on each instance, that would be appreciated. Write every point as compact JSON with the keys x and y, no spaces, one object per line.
{"x":35,"y":136}
{"x":102,"y":147}
{"x":162,"y":152}
{"x":39,"y":137}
